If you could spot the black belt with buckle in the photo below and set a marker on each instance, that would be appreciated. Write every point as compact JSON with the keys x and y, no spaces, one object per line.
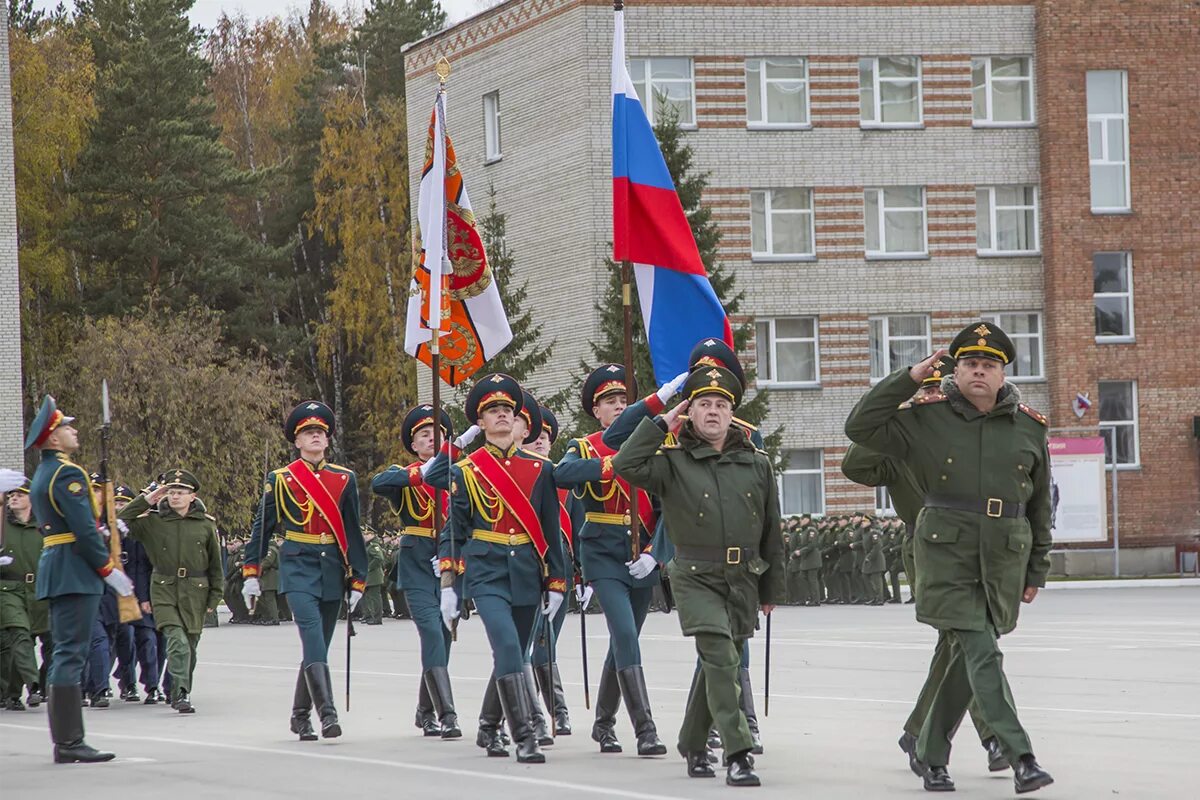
{"x":988,"y":506}
{"x":30,"y":577}
{"x":179,"y":573}
{"x":716,"y":555}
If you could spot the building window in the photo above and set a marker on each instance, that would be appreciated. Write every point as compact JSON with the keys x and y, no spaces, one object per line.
{"x":895,"y":219}
{"x":883,"y":502}
{"x":898,"y":341}
{"x":1006,"y":220}
{"x":665,"y":80}
{"x":776,"y":92}
{"x":781,"y":223}
{"x":1002,"y":90}
{"x":787,"y":351}
{"x":1108,"y":140}
{"x":1119,"y":422}
{"x":1112,"y":287}
{"x":889,"y":91}
{"x":802,"y":484}
{"x":491,"y":127}
{"x":1024,"y":328}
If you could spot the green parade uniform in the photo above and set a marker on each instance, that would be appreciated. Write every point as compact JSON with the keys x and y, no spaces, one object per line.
{"x":239,"y":612}
{"x":810,"y":565}
{"x":21,"y":613}
{"x":266,"y":608}
{"x":793,"y":540}
{"x":982,"y":538}
{"x":372,"y":603}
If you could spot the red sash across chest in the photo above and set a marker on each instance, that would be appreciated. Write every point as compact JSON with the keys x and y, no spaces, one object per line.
{"x":619,"y":502}
{"x":513,"y":481}
{"x":324,"y":488}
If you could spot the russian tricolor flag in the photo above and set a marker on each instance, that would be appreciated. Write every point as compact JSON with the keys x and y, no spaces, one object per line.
{"x":650,"y":229}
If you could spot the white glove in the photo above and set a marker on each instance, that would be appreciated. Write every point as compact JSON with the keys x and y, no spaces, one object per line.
{"x":671,"y":387}
{"x":10,"y":479}
{"x":436,"y":563}
{"x":583,"y":594}
{"x":428,"y":465}
{"x":642,"y":567}
{"x":120,"y":582}
{"x":251,"y":588}
{"x":554,"y":602}
{"x":121,"y":526}
{"x":467,"y":437}
{"x":5,"y":560}
{"x":449,"y":605}
{"x":355,"y":596}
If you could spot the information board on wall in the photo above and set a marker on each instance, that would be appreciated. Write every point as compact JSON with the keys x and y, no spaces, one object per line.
{"x":1078,"y":490}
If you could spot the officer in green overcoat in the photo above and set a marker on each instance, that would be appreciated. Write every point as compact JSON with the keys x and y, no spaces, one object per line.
{"x":181,"y":542}
{"x":983,"y":537}
{"x":21,"y":613}
{"x":720,"y":505}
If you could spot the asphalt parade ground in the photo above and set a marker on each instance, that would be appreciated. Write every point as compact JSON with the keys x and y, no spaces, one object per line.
{"x":1106,"y":681}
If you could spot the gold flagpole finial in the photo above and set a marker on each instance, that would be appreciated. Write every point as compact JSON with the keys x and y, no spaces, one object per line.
{"x":442,"y":68}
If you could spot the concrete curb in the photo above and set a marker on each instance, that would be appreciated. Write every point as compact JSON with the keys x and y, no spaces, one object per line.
{"x":1133,"y":583}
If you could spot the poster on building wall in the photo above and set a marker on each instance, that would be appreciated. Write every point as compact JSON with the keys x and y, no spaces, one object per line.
{"x":1078,"y":496}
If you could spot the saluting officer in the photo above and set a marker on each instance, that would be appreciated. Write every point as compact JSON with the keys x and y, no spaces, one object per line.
{"x":983,"y":538}
{"x":314,"y":504}
{"x":72,"y":572}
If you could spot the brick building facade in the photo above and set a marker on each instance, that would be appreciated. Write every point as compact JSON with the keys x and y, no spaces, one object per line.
{"x":11,"y":429}
{"x":882,"y":172}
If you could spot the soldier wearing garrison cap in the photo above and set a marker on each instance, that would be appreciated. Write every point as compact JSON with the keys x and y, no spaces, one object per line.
{"x":314,"y":504}
{"x":983,"y":537}
{"x":417,"y":568}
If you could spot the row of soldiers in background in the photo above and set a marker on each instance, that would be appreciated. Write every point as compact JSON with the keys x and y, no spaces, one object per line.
{"x":848,"y":559}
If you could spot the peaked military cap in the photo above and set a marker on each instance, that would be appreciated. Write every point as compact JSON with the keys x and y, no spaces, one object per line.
{"x":716,"y":353}
{"x":941,"y":368}
{"x":420,"y":417}
{"x":605,"y":379}
{"x":531,"y":412}
{"x":22,"y":489}
{"x":123,"y":492}
{"x":493,"y":389}
{"x":549,"y":423}
{"x":309,"y":414}
{"x":181,"y":478}
{"x":713,"y":380}
{"x":96,"y":479}
{"x":983,"y":340}
{"x":44,"y":422}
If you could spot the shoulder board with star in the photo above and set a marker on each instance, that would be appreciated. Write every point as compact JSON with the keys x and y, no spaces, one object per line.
{"x":532,"y":454}
{"x":741,"y":423}
{"x":1033,"y":413}
{"x":210,"y":517}
{"x":338,"y":468}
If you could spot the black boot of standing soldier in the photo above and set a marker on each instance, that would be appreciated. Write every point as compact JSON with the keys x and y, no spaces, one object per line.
{"x":637,"y":701}
{"x":320,"y":688}
{"x":514,"y":699}
{"x":608,"y":700}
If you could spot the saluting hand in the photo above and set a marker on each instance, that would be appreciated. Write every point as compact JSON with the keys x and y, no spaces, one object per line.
{"x":158,"y":494}
{"x":923,"y":370}
{"x":672,"y":417}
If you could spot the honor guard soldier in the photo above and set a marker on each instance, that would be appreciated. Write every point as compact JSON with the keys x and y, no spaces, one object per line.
{"x":983,"y":538}
{"x":72,"y":572}
{"x":505,"y":528}
{"x":22,"y":615}
{"x":143,"y":647}
{"x":720,"y":502}
{"x":417,"y":565}
{"x":623,"y":583}
{"x":181,"y":541}
{"x":314,"y":504}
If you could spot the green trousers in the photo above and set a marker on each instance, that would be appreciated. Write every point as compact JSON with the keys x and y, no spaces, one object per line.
{"x":18,"y":667}
{"x":797,"y":592}
{"x":908,"y":558}
{"x":715,"y":699}
{"x":873,"y":587}
{"x":975,"y":670}
{"x":812,"y":586}
{"x":372,"y":603}
{"x":181,"y":658}
{"x":937,"y":671}
{"x":266,"y":607}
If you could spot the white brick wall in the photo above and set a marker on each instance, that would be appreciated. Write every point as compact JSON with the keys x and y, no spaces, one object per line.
{"x":11,"y":427}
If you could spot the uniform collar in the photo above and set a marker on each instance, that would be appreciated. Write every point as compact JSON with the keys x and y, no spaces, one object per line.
{"x":320,"y":465}
{"x":498,"y":452}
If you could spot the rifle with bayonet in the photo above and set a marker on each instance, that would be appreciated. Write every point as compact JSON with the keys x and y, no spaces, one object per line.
{"x":127,"y":606}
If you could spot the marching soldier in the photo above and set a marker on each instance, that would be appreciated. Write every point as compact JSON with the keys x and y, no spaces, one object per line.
{"x":794,"y":534}
{"x":983,"y":538}
{"x":181,"y":542}
{"x":21,"y":613}
{"x":314,"y":504}
{"x":874,"y":563}
{"x":623,"y":583}
{"x":505,"y":528}
{"x":372,"y":605}
{"x":266,"y":608}
{"x":235,"y":554}
{"x":722,"y":513}
{"x":72,"y":573}
{"x":417,"y":565}
{"x":810,"y":566}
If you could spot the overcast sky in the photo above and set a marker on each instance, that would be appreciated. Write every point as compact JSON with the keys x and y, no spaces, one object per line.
{"x":206,"y":12}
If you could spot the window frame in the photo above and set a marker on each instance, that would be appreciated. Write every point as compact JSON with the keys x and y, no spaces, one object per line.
{"x":994,"y":318}
{"x":648,"y":102}
{"x":489,"y":120}
{"x":774,"y":383}
{"x":1104,"y":119}
{"x":987,"y":94}
{"x":1135,"y":423}
{"x":768,"y":211}
{"x":888,"y":507}
{"x":1131,"y":337}
{"x":884,"y":255}
{"x":887,"y":338}
{"x":766,"y":125}
{"x":877,"y":124}
{"x":789,"y":470}
{"x":993,"y":212}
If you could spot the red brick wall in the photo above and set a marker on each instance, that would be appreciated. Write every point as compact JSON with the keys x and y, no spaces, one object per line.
{"x":1158,"y":43}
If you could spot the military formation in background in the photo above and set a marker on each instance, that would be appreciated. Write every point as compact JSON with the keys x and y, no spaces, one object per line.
{"x":844,"y":559}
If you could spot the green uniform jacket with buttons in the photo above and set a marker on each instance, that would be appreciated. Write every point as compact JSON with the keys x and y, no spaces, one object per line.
{"x":971,"y":568}
{"x":810,"y":550}
{"x":792,"y":542}
{"x":19,"y":606}
{"x":186,"y":555}
{"x":268,"y":568}
{"x":874,"y":561}
{"x":376,"y":559}
{"x":715,"y":499}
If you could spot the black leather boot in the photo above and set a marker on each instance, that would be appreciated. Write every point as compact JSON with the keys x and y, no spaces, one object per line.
{"x":908,"y":743}
{"x":514,"y":693}
{"x":997,"y":761}
{"x":536,"y":717}
{"x":437,"y":683}
{"x":937,"y":779}
{"x":426,"y":718}
{"x":698,"y":765}
{"x":608,"y":700}
{"x":1028,"y":776}
{"x":320,"y":689}
{"x":637,"y":702}
{"x":301,"y":724}
{"x":748,"y":710}
{"x":490,"y":715}
{"x":66,"y":727}
{"x":741,"y":771}
{"x":550,"y":684}
{"x":714,"y":740}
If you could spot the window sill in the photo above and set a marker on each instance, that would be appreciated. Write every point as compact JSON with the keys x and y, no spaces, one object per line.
{"x":1116,"y":340}
{"x":789,"y":386}
{"x":994,"y":125}
{"x":762,"y":258}
{"x":1124,"y":467}
{"x":493,"y":160}
{"x":904,"y":126}
{"x":1008,"y":253}
{"x":897,"y":256}
{"x":779,"y":126}
{"x":1112,"y":212}
{"x":1026,"y":379}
